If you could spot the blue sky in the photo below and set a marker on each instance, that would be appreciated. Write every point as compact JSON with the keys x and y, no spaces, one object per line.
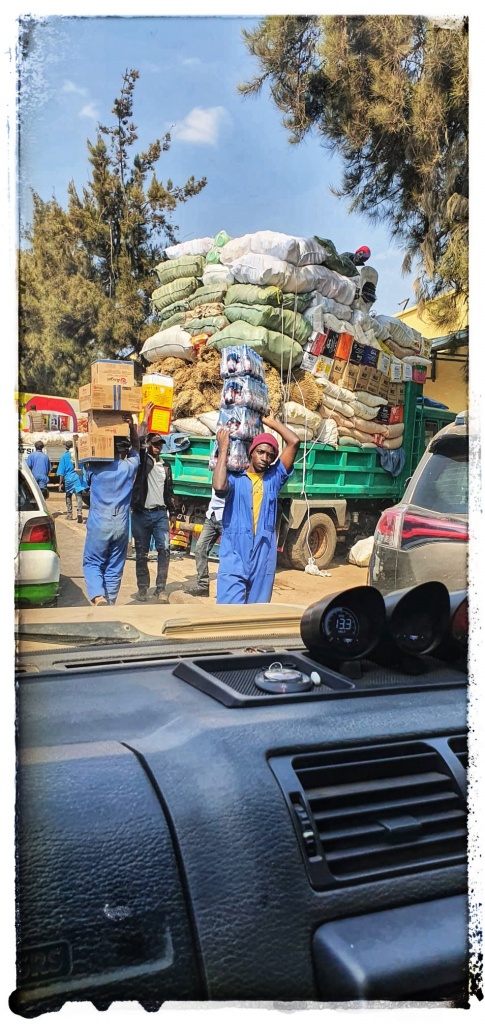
{"x":189,"y":70}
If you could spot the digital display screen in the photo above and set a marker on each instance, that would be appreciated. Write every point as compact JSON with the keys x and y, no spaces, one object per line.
{"x":340,"y":627}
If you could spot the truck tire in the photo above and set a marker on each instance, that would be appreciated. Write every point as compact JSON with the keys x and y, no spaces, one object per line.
{"x":321,"y":539}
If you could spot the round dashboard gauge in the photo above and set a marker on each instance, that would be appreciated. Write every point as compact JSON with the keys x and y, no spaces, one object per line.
{"x":415,"y":633}
{"x":344,"y":627}
{"x":341,"y":626}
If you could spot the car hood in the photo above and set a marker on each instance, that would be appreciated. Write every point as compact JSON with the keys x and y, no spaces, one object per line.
{"x":44,"y":628}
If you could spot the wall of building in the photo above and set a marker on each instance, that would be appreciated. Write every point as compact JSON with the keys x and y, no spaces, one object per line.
{"x":449,"y":386}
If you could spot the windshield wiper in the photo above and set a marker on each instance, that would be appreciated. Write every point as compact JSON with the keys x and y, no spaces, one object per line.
{"x":89,"y":633}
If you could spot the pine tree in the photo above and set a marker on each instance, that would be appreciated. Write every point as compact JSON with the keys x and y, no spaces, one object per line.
{"x":389,"y":94}
{"x":86,"y":274}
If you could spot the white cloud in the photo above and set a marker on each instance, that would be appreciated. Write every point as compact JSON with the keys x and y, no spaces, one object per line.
{"x":191,"y":61}
{"x":69,"y":86}
{"x":90,"y":111}
{"x":201,"y":127}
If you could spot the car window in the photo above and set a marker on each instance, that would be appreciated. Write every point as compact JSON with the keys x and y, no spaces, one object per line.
{"x":27,"y":500}
{"x":443,"y":484}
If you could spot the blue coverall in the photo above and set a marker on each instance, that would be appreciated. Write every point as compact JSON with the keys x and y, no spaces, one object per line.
{"x":74,"y":482}
{"x":40,"y":467}
{"x":111,"y":484}
{"x":247,"y":560}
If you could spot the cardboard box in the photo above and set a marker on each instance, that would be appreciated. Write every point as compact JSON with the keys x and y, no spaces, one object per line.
{"x":357,"y":353}
{"x":396,"y":414}
{"x":123,"y":398}
{"x":96,"y":447}
{"x":383,"y":391}
{"x":345,"y":374}
{"x":316,"y":343}
{"x":396,"y":394}
{"x":395,"y":371}
{"x":323,"y":367}
{"x":113,"y":371}
{"x":159,"y":391}
{"x":331,"y":343}
{"x":103,"y":422}
{"x":370,"y":357}
{"x":383,"y":362}
{"x":383,"y":414}
{"x":407,"y":371}
{"x":344,"y":346}
{"x":419,"y":373}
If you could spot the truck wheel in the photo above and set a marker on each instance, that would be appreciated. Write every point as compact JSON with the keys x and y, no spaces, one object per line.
{"x":321,"y":539}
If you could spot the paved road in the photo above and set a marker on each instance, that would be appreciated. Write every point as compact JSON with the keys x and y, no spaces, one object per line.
{"x":290,"y":586}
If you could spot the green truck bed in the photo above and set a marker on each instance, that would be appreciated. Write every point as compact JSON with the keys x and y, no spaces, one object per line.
{"x":323,"y":471}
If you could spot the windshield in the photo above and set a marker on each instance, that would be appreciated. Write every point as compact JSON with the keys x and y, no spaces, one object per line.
{"x":443,"y":485}
{"x":159,"y":356}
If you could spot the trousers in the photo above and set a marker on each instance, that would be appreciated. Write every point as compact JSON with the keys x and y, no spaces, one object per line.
{"x":145,"y":525}
{"x":105,"y":554}
{"x":209,"y":535}
{"x":79,"y":502}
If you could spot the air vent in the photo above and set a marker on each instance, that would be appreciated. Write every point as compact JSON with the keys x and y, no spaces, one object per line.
{"x":376,"y":812}
{"x":458,"y":744}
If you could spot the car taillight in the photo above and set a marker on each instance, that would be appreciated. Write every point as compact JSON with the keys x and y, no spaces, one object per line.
{"x":416,"y":528}
{"x":40,"y":531}
{"x":388,"y":527}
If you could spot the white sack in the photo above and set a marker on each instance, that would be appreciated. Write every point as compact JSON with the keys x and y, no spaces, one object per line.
{"x":215,"y":272}
{"x":296,"y":413}
{"x":259,"y":269}
{"x":209,"y":419}
{"x":194,"y":247}
{"x":173,"y":341}
{"x":191,"y":425}
{"x":289,"y":248}
{"x":361,"y":551}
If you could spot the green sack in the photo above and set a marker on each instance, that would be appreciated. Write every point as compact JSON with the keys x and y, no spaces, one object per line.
{"x":185,"y":266}
{"x":173,"y":320}
{"x":219,"y":241}
{"x":273,"y":318}
{"x":174,"y":292}
{"x":200,"y":326}
{"x":341,"y":264}
{"x":175,"y":307}
{"x":208,"y":293}
{"x":277,"y":349}
{"x":266,"y":295}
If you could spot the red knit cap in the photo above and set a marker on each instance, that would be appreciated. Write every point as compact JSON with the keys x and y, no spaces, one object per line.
{"x":365,"y":249}
{"x":264,"y":439}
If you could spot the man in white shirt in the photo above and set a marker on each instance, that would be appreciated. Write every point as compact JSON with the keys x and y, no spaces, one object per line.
{"x":210,"y":534}
{"x":152,"y":504}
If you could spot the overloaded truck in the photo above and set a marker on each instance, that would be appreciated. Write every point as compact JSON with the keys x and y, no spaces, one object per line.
{"x":50,"y":418}
{"x":333,"y":495}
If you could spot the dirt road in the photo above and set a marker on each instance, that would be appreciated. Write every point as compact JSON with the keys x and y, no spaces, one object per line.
{"x":291,"y":586}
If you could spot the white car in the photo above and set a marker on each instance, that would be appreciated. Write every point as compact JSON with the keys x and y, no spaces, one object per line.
{"x":37,"y":562}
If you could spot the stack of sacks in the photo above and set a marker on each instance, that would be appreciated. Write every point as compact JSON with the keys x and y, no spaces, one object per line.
{"x":294,"y":264}
{"x":307,"y":424}
{"x":244,"y":399}
{"x":355,"y":413}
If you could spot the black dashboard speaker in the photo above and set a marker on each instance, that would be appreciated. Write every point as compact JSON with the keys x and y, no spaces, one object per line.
{"x":344,"y":627}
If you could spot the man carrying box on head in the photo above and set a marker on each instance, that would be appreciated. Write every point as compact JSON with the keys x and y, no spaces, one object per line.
{"x":107,"y":526}
{"x":247,"y":556}
{"x":153,"y":503}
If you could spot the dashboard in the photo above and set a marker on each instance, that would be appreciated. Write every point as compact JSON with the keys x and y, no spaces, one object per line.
{"x":278,"y":820}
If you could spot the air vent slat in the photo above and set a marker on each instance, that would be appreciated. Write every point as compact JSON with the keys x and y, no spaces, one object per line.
{"x":372,"y":827}
{"x":385,"y":810}
{"x":402,"y":806}
{"x":356,"y":790}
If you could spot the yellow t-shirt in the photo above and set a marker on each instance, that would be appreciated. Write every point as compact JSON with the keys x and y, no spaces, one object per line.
{"x":257,"y":482}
